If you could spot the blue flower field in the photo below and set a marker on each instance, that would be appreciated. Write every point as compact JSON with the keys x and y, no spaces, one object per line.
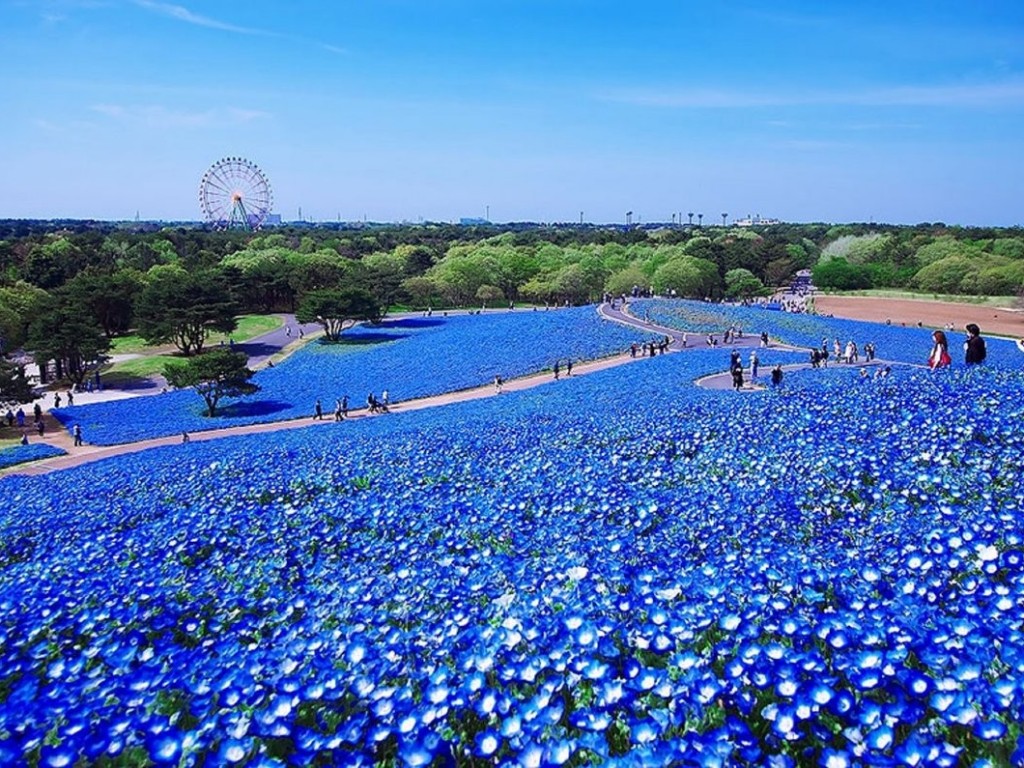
{"x":19,"y":454}
{"x":615,"y":569}
{"x":414,"y":357}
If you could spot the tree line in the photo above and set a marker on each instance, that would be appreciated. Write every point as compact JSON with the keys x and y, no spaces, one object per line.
{"x":68,"y":288}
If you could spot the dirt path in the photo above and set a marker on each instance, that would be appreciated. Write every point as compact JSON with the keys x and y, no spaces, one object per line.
{"x":931,"y":314}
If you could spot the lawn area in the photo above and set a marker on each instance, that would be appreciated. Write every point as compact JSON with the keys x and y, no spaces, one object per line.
{"x":249,"y":326}
{"x":138,"y":367}
{"x":153,"y":358}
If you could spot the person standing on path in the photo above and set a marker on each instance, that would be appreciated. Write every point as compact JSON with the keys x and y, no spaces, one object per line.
{"x":737,"y":377}
{"x":557,"y":369}
{"x":777,"y":375}
{"x":318,"y":410}
{"x":344,"y":406}
{"x":754,"y":363}
{"x":568,"y":367}
{"x":337,"y":410}
{"x":77,"y":432}
{"x":974,"y":347}
{"x":498,"y":385}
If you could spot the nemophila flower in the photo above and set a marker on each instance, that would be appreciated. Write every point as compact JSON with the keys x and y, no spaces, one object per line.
{"x":746,"y":565}
{"x":19,"y":454}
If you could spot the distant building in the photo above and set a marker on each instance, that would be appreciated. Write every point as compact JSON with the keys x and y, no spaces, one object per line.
{"x":802,"y":281}
{"x":755,"y":221}
{"x":272,"y":220}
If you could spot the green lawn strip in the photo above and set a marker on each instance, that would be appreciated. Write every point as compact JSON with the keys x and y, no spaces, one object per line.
{"x":138,"y":368}
{"x":133,"y":345}
{"x":249,"y":327}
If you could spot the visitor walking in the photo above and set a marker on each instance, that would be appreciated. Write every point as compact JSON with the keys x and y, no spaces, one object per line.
{"x":754,"y":363}
{"x":568,"y":367}
{"x":497,"y":385}
{"x":318,"y":410}
{"x":344,"y":406}
{"x":777,"y":375}
{"x":337,"y":410}
{"x":77,"y":432}
{"x":557,"y":369}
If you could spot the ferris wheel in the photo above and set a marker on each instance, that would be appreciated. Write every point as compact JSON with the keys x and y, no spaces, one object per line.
{"x":234,"y":193}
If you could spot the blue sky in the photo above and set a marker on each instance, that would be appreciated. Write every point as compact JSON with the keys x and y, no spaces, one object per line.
{"x":527,"y":109}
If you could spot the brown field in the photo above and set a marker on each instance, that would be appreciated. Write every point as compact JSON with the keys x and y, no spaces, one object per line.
{"x":931,"y":314}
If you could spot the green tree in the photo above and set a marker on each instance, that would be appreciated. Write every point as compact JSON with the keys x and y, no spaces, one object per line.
{"x":14,"y":385}
{"x":68,"y":336}
{"x":18,"y":305}
{"x":421,"y":288}
{"x":621,"y":282}
{"x":681,"y":276}
{"x":184,"y":308}
{"x":461,"y":273}
{"x":840,"y":275}
{"x":742,"y":283}
{"x":945,"y":275}
{"x":338,"y":310}
{"x":943,"y":248}
{"x":109,"y":299}
{"x":384,"y":273}
{"x":216,"y":374}
{"x":488,"y":293}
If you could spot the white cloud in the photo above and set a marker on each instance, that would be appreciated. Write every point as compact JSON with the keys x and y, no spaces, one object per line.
{"x":181,"y":13}
{"x":998,"y":94}
{"x":158,"y":116}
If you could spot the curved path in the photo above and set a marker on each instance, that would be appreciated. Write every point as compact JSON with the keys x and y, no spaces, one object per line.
{"x":262,"y":348}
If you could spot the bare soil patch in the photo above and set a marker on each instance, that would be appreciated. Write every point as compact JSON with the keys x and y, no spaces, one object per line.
{"x":930,"y":314}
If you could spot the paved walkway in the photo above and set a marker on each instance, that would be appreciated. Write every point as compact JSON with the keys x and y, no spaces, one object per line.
{"x":280,"y":341}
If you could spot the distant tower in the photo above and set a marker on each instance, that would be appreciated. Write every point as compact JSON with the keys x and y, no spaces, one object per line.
{"x":300,"y":213}
{"x":581,"y":217}
{"x":700,"y":219}
{"x":724,"y":217}
{"x":690,"y":215}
